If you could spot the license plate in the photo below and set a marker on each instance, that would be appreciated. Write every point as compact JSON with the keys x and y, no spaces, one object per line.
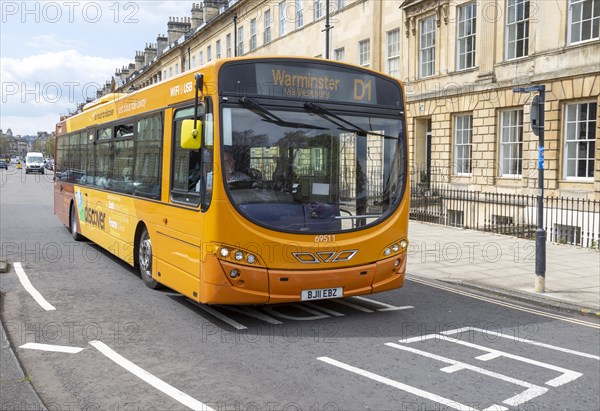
{"x":321,"y":294}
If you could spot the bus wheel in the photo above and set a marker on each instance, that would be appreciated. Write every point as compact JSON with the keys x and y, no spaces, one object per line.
{"x":145,"y":260}
{"x":73,"y":225}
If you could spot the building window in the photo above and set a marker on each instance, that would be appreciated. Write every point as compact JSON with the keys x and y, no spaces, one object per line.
{"x":465,"y":41}
{"x":209,"y":53}
{"x":193,"y":61}
{"x":228,"y":44}
{"x":267,"y":35}
{"x":393,"y":53}
{"x":511,"y":142}
{"x":252,"y":34}
{"x":580,"y":140}
{"x":299,"y":14}
{"x":339,"y":4}
{"x":517,"y":29}
{"x":165,"y":74}
{"x":218,"y":49}
{"x":282,"y":18}
{"x":176,"y":68}
{"x":567,"y":234}
{"x":201,"y":57}
{"x":456,"y":218}
{"x":338,"y":54}
{"x":170,"y":72}
{"x":584,"y":20}
{"x":364,"y":53}
{"x":427,"y":47}
{"x":240,"y":45}
{"x":463,"y":132}
{"x":318,"y":9}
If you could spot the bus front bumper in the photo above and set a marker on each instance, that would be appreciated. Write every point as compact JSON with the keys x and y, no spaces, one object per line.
{"x":255,"y":285}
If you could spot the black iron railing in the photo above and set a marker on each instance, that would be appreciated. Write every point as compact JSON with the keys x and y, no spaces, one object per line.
{"x":566,"y":220}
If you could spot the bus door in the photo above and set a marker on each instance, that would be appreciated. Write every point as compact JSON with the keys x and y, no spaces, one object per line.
{"x":179,"y":237}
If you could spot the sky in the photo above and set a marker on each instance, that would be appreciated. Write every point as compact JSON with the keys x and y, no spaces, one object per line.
{"x":54,"y":54}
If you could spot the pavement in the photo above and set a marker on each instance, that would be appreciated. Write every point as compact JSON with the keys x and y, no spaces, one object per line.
{"x":491,"y":263}
{"x":505,"y":266}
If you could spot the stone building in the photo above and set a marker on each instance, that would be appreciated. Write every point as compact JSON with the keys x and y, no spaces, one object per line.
{"x":460,"y":61}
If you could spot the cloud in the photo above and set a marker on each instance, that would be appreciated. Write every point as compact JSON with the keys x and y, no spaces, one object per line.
{"x":51,"y":42}
{"x":38,"y":87}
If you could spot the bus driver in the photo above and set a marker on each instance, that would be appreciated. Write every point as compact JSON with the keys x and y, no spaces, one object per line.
{"x":230,"y":174}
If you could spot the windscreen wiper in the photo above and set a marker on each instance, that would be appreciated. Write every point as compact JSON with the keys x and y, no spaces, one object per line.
{"x":328,"y":115}
{"x":272,"y":118}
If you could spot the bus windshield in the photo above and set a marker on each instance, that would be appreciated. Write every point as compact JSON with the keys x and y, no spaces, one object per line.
{"x":312,"y":170}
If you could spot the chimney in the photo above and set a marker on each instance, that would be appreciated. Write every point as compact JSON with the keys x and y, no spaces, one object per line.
{"x":124,"y":73}
{"x":197,"y":16}
{"x":161,"y":43}
{"x":139,"y":60}
{"x":149,"y":53}
{"x":177,"y":27}
{"x":211,"y":8}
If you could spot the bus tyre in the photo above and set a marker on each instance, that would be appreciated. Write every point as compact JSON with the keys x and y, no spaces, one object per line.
{"x":73,"y":224}
{"x":145,"y":260}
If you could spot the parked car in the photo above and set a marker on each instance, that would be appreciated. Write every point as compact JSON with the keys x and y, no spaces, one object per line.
{"x":3,"y":165}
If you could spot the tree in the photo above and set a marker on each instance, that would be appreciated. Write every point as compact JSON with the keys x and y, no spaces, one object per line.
{"x":5,"y":144}
{"x":50,"y":147}
{"x":39,"y":146}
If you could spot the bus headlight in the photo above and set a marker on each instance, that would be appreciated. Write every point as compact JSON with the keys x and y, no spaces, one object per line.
{"x":395,"y":247}
{"x":387,"y":252}
{"x":224,"y":252}
{"x":234,"y":273}
{"x":403,"y":243}
{"x":239,"y":256}
{"x":250,"y":259}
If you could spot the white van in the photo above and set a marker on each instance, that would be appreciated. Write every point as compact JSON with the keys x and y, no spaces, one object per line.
{"x":34,"y":163}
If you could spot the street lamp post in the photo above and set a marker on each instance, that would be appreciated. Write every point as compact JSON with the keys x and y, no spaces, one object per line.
{"x":328,"y":27}
{"x":235,"y":50}
{"x":537,"y":126}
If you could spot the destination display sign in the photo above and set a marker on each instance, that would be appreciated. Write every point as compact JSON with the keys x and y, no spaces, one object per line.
{"x":308,"y":81}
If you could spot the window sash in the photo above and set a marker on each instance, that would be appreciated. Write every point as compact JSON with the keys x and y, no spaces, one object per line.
{"x":282,"y":18}
{"x":252,"y":34}
{"x":299,"y":14}
{"x":466,"y":36}
{"x":517,"y":29}
{"x":427,"y":47}
{"x":584,"y":20}
{"x":364,"y":53}
{"x":393,"y":53}
{"x":318,"y":9}
{"x":580,"y":140}
{"x":463,"y":132}
{"x":511,"y":143}
{"x":267,"y":33}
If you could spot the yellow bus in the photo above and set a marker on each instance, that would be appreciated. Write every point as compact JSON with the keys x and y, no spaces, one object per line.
{"x":246,"y":181}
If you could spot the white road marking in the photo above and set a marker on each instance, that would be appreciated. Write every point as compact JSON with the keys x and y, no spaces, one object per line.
{"x":388,"y":307}
{"x":221,"y":317}
{"x":355,"y":306}
{"x":531,"y":391}
{"x":31,"y":289}
{"x":495,"y":408}
{"x":325,"y":310}
{"x":524,"y":340}
{"x":53,"y":348}
{"x":396,"y":384}
{"x":149,"y":378}
{"x":251,"y":312}
{"x":316,"y":314}
{"x":505,"y":304}
{"x":567,"y":375}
